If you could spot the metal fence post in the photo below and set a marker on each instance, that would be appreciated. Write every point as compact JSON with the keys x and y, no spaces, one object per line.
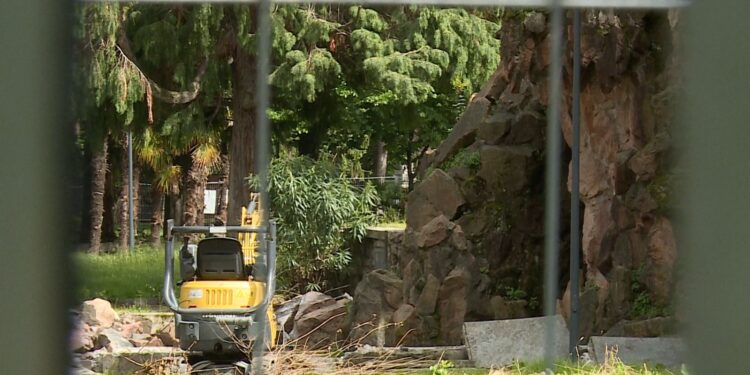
{"x":131,"y":216}
{"x":575,"y":208}
{"x":552,"y":182}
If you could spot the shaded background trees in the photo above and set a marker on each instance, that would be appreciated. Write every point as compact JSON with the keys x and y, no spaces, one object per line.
{"x":357,"y":92}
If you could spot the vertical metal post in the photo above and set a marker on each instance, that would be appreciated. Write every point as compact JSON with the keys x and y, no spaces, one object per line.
{"x":552,"y":182}
{"x":575,"y":211}
{"x":131,"y":227}
{"x":262,"y":159}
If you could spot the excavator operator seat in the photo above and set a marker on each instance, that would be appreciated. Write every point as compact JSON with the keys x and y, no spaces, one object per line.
{"x":220,"y":258}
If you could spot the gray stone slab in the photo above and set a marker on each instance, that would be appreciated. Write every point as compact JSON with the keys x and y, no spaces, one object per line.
{"x":636,"y":351}
{"x":502,"y":342}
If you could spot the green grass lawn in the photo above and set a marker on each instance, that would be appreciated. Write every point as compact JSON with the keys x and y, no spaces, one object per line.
{"x":121,"y":276}
{"x":393,"y":224}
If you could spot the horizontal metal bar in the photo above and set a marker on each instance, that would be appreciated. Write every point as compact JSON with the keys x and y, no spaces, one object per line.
{"x":218,"y":229}
{"x":623,"y":4}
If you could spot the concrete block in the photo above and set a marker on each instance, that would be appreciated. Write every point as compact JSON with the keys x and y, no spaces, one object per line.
{"x":636,"y":351}
{"x":502,"y":342}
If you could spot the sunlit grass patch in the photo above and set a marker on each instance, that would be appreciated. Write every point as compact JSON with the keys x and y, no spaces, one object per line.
{"x":121,"y":276}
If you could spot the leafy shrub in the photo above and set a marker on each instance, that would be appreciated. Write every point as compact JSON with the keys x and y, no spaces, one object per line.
{"x":392,"y":197}
{"x":320,"y":214}
{"x":441,"y":368}
{"x":464,"y":158}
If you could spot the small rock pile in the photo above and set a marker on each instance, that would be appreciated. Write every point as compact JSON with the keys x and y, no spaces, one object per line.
{"x":99,"y":334}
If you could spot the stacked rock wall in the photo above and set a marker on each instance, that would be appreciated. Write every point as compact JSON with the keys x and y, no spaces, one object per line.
{"x":473,"y":246}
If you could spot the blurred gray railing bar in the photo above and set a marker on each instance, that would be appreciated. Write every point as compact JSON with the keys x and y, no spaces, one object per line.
{"x":262,"y":161}
{"x":552,"y":182}
{"x":622,"y":4}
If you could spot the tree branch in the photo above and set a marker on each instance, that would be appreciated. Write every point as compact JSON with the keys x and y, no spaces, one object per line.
{"x":165,"y":95}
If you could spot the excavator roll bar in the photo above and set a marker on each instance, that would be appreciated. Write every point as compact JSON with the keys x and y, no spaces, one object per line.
{"x":268,"y":244}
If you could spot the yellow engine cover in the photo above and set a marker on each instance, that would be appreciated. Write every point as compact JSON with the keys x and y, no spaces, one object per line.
{"x":222,"y":295}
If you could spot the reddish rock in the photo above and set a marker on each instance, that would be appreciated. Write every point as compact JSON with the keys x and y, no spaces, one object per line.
{"x":98,"y":312}
{"x":495,"y":127}
{"x":127,"y":330}
{"x":317,"y":328}
{"x":403,"y":313}
{"x":452,"y":307}
{"x":598,"y":226}
{"x":434,"y":232}
{"x":312,"y":301}
{"x":458,"y":239}
{"x":82,"y":338}
{"x":167,"y":336}
{"x":662,"y":253}
{"x":436,"y":195}
{"x":428,"y":297}
{"x":505,"y":168}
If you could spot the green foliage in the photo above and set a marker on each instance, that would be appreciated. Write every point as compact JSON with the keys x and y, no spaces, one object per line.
{"x":320,"y":215}
{"x":464,"y":158}
{"x":392,"y":196}
{"x":441,"y":368}
{"x":107,"y":84}
{"x":643,"y":307}
{"x":661,"y":189}
{"x":514,"y":294}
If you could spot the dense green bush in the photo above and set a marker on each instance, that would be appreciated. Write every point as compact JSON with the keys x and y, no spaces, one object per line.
{"x":320,"y":215}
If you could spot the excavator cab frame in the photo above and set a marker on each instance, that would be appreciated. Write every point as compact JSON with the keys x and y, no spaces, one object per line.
{"x":222,"y":309}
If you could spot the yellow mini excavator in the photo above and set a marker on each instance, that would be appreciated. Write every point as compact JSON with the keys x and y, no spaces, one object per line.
{"x":226,"y":286}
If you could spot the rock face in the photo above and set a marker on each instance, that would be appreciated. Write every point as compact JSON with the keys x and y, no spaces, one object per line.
{"x":475,"y":232}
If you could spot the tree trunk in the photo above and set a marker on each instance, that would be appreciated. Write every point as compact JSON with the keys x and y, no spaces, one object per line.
{"x":380,"y":157}
{"x":98,"y":187}
{"x":242,"y":146}
{"x":195,"y":186}
{"x":221,"y":206}
{"x":122,"y":201}
{"x":157,"y":214}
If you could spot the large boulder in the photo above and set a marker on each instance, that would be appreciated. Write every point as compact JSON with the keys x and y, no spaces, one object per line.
{"x":112,"y":340}
{"x":662,"y":254}
{"x":168,"y":335}
{"x":428,"y":298}
{"x":311,"y":301}
{"x":377,"y":296}
{"x":434,"y":232}
{"x":83,"y":338}
{"x":505,"y":168}
{"x":436,"y":195}
{"x":98,"y":313}
{"x":453,"y":306}
{"x":320,"y":321}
